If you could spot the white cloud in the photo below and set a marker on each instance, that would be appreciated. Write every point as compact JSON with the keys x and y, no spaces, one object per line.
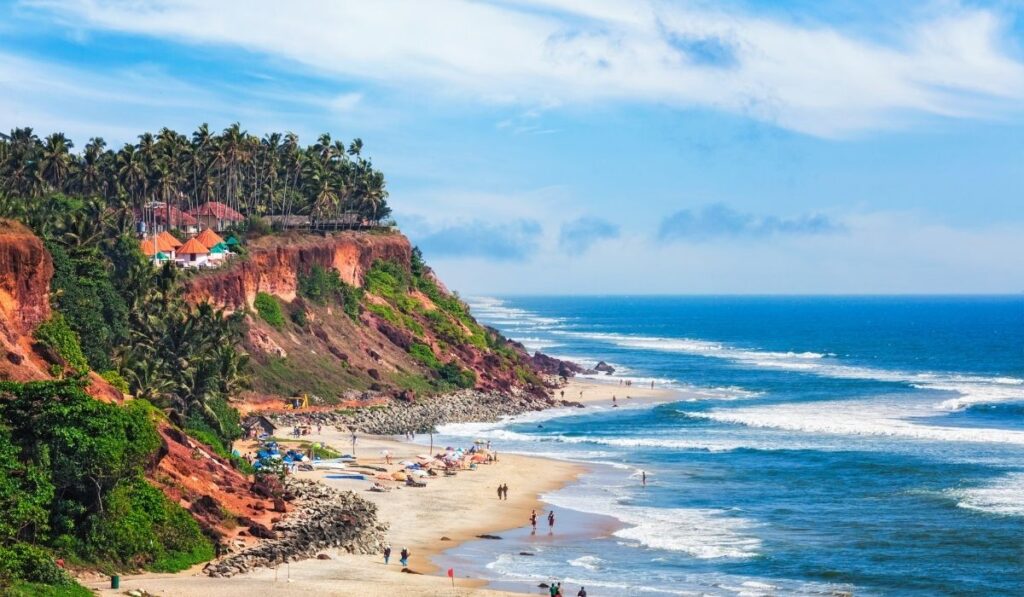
{"x":880,"y":253}
{"x":807,"y":77}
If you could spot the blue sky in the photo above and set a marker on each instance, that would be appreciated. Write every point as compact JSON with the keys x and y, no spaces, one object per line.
{"x":597,"y":146}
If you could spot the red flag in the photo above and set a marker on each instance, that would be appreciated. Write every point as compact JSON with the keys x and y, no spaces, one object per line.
{"x":451,"y":573}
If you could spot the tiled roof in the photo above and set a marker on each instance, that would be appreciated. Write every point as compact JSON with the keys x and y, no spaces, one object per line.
{"x":154,"y":244}
{"x":217,"y":210}
{"x":209,"y":238}
{"x":170,"y":239}
{"x":193,"y":247}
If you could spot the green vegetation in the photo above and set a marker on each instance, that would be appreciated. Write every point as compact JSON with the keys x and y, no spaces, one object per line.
{"x":423,"y":354}
{"x":269,"y":309}
{"x":386,"y":279}
{"x":72,"y":485}
{"x":274,"y":174}
{"x":299,"y":316}
{"x":291,"y":376}
{"x":114,"y":378}
{"x":322,"y":286}
{"x":128,"y":316}
{"x":452,"y":374}
{"x":56,"y":334}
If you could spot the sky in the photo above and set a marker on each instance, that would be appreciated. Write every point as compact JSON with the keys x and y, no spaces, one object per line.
{"x":596,"y":146}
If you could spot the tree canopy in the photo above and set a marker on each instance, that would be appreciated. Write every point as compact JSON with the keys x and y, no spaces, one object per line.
{"x":269,"y":175}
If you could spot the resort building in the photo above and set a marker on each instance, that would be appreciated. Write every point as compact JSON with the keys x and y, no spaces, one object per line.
{"x":158,"y":249}
{"x":216,"y":215}
{"x":193,"y":254}
{"x":157,"y":216}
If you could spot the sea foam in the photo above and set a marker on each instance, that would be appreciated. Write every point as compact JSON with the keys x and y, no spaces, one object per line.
{"x":1003,"y":496}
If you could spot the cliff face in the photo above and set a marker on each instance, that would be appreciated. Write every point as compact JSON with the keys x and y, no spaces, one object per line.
{"x":402,"y":342}
{"x":25,"y":272}
{"x":274,"y":263}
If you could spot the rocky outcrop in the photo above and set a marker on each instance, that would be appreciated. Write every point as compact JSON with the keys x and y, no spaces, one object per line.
{"x":323,"y":518}
{"x":275,"y":262}
{"x":403,"y":416}
{"x":209,"y":487}
{"x":552,"y":366}
{"x":25,"y":272}
{"x":604,"y":367}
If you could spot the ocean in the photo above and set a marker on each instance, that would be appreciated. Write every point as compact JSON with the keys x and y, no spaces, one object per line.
{"x":819,"y":446}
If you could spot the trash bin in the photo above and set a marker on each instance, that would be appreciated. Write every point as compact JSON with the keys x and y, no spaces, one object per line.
{"x":115,"y":582}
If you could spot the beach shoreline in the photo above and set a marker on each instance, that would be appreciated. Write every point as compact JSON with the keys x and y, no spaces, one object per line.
{"x":430,"y":521}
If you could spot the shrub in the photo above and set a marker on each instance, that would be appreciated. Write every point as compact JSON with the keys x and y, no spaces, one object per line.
{"x":140,"y":528}
{"x":322,"y":285}
{"x":386,"y":279}
{"x":423,"y":354}
{"x":82,"y":465}
{"x":269,"y":309}
{"x":28,"y":562}
{"x":114,"y":378}
{"x":55,"y":333}
{"x":299,"y":317}
{"x":384,"y":312}
{"x":452,"y":374}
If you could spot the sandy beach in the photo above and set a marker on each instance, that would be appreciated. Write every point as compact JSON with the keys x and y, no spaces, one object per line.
{"x":455,"y":508}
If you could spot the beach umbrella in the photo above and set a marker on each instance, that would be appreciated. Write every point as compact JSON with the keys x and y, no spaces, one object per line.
{"x":419,"y":473}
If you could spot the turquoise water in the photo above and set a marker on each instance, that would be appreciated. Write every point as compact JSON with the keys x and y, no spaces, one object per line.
{"x":871,"y":445}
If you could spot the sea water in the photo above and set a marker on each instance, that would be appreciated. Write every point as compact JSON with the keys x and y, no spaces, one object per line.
{"x":819,"y":446}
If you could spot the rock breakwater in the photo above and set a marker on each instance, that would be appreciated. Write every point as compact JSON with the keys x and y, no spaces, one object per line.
{"x":324,"y":518}
{"x":401,"y":416}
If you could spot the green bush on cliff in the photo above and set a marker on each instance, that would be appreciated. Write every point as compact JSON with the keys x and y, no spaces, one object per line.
{"x":452,"y":374}
{"x":386,"y":279}
{"x":55,"y":333}
{"x":72,"y":484}
{"x":269,"y":309}
{"x":325,"y":285}
{"x":83,"y":291}
{"x":114,"y":378}
{"x":140,"y":527}
{"x":423,"y":354}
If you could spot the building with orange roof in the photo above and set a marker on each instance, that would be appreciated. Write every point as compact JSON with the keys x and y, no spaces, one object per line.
{"x":170,"y":239}
{"x":209,"y":238}
{"x":193,"y":254}
{"x":157,"y":249}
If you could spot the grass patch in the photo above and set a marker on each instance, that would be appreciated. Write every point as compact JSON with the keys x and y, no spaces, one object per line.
{"x":322,"y":375}
{"x":32,"y":589}
{"x":55,"y":333}
{"x":269,"y":309}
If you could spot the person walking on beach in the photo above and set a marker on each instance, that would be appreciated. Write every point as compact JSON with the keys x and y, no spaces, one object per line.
{"x":551,"y":519}
{"x":499,"y":492}
{"x":404,"y":559}
{"x":387,"y":553}
{"x":582,"y":592}
{"x":533,"y":519}
{"x":504,"y":491}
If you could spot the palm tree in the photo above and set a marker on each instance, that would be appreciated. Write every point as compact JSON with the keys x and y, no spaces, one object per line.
{"x":55,"y":162}
{"x":90,"y":179}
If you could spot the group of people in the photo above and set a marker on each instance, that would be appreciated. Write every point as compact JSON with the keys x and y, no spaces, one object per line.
{"x":551,"y":519}
{"x":556,"y":590}
{"x":503,"y":491}
{"x":403,"y":556}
